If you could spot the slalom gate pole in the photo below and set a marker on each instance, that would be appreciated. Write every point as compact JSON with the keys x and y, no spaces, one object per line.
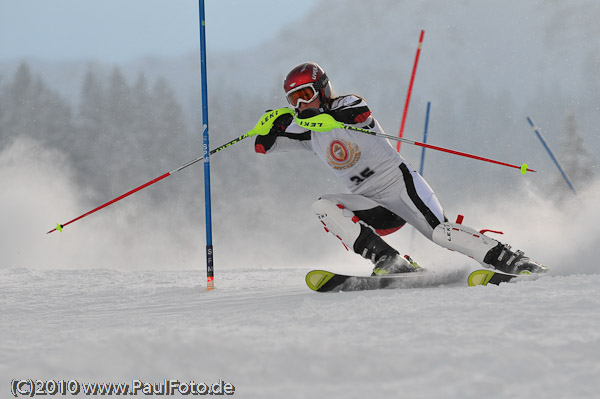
{"x":410,"y":86}
{"x":547,"y":147}
{"x":59,"y":226}
{"x":325,"y":123}
{"x":210,"y":280}
{"x":412,"y":234}
{"x":425,"y":138}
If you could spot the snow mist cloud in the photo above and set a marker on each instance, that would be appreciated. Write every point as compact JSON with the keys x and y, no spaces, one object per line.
{"x":38,"y":191}
{"x":564,"y":235}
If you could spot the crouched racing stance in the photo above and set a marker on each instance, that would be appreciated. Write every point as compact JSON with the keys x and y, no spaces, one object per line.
{"x":385,"y":191}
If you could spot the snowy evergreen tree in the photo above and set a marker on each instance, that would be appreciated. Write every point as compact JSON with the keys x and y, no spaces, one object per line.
{"x":120,"y":104}
{"x":92,"y":129}
{"x":30,"y":108}
{"x":577,"y":161}
{"x":142,"y":113}
{"x":125,"y":132}
{"x":164,"y":138}
{"x":168,"y":113}
{"x":93,"y":107}
{"x":119,"y":113}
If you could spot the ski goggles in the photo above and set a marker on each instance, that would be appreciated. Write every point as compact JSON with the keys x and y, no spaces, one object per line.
{"x":302,"y":94}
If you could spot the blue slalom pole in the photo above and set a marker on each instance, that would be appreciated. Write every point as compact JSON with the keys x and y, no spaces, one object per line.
{"x":562,"y":172}
{"x":425,"y":138}
{"x":210,"y":280}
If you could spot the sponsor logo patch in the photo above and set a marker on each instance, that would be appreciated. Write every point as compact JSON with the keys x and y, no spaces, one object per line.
{"x":342,"y":154}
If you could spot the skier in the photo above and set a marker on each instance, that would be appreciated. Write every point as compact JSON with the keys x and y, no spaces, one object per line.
{"x":385,"y":191}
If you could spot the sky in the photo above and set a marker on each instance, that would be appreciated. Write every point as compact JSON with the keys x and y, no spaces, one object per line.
{"x":119,"y":31}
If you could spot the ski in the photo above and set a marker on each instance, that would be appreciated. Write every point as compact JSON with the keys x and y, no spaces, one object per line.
{"x":325,"y":281}
{"x":485,"y":277}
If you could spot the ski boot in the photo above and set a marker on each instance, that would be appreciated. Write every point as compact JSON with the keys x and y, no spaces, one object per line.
{"x":514,"y":262}
{"x":386,"y":259}
{"x":395,"y":264}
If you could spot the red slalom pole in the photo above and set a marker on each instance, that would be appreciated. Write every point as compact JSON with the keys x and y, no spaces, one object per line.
{"x":410,"y":86}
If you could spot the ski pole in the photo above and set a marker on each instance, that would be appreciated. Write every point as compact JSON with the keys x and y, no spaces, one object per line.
{"x":59,"y":226}
{"x":264,"y":124}
{"x":326,"y":122}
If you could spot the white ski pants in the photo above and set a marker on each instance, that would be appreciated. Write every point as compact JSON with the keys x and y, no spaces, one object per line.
{"x":403,"y":196}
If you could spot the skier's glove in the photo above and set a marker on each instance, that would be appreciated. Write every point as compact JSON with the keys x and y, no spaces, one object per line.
{"x":276,"y":120}
{"x":319,"y":123}
{"x":308,"y":113}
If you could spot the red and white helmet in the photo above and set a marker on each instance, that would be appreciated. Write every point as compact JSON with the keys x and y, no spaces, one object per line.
{"x":305,"y":82}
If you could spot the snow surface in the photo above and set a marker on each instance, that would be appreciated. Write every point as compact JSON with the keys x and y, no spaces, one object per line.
{"x":267,"y":334}
{"x":118,"y":297}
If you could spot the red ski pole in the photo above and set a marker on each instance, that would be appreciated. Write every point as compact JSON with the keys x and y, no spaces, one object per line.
{"x":59,"y":226}
{"x":262,"y":127}
{"x":326,"y":122}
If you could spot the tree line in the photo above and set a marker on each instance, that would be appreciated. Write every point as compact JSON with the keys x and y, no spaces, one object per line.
{"x":122,"y":134}
{"x":112,"y":136}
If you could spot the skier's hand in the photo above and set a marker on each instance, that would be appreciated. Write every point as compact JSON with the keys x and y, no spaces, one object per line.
{"x":308,"y":113}
{"x":319,"y":123}
{"x":275,"y":119}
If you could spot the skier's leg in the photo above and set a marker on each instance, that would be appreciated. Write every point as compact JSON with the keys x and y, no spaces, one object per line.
{"x":409,"y":196}
{"x":357,"y":235}
{"x":370,"y":212}
{"x":485,"y":250}
{"x":463,"y":239}
{"x":416,"y":202}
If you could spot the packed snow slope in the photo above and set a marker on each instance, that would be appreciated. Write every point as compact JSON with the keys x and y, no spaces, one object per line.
{"x":265,"y":333}
{"x":119,"y":295}
{"x":117,"y":299}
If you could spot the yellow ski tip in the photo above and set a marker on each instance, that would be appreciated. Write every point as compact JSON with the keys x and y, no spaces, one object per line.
{"x":317,"y":278}
{"x":480,"y":277}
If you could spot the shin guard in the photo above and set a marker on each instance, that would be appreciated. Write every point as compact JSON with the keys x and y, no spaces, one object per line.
{"x":463,"y":239}
{"x":354,"y":234}
{"x":338,"y":220}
